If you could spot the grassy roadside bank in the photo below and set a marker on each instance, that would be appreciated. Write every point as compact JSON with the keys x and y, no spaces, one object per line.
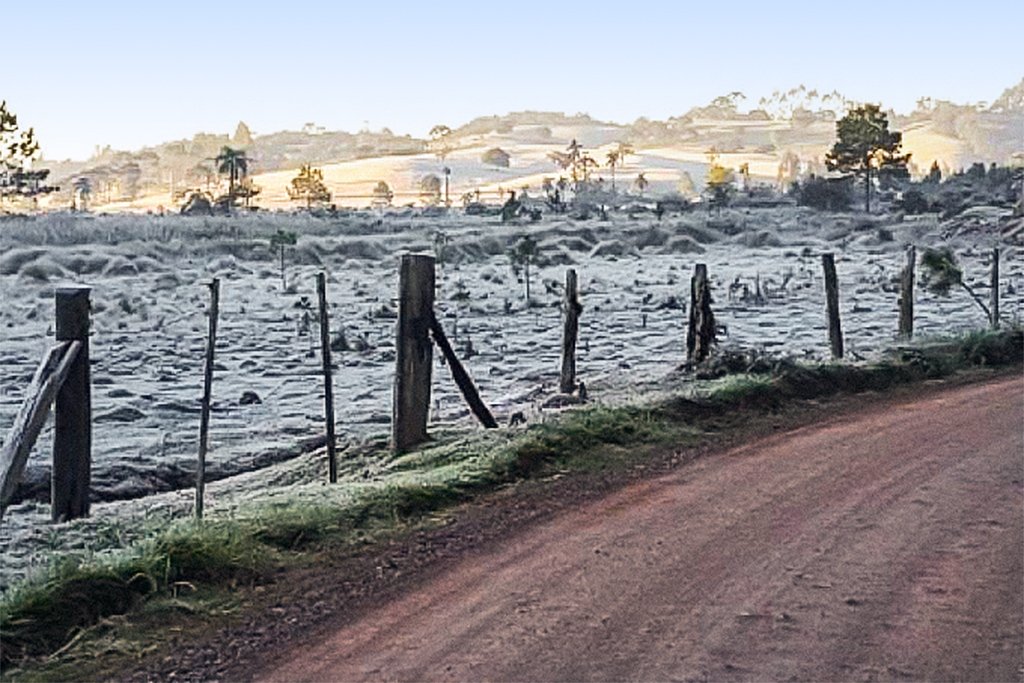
{"x":189,"y":568}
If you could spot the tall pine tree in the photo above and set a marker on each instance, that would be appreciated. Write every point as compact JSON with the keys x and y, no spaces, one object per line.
{"x":865,"y":146}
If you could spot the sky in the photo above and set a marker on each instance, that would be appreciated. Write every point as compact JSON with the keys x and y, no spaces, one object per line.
{"x":129,"y":74}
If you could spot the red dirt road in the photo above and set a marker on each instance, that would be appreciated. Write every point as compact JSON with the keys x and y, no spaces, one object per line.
{"x":886,"y":544}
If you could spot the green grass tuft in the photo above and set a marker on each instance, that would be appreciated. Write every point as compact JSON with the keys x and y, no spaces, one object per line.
{"x":582,"y":431}
{"x":43,"y":615}
{"x":40,"y":616}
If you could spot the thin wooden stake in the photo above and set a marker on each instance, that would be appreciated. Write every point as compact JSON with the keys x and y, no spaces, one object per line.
{"x":413,"y":352}
{"x":284,"y":284}
{"x":906,"y":301}
{"x":570,"y":333}
{"x":204,"y":418}
{"x":72,"y":439}
{"x":994,"y":296}
{"x":325,"y":355}
{"x":835,"y":332}
{"x":461,"y":377}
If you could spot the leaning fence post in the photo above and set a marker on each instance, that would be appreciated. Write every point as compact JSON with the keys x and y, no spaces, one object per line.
{"x":700,"y":333}
{"x":835,"y":332}
{"x":994,"y":297}
{"x":571,"y":331}
{"x":461,"y":377}
{"x":325,"y":355}
{"x":204,"y":417}
{"x":72,"y":440}
{"x":413,"y":352}
{"x":907,"y":295}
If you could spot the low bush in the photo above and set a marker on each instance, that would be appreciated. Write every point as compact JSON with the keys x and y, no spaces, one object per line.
{"x":824,"y":194}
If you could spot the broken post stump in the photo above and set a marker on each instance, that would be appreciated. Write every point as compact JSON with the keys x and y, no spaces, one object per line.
{"x":906,"y":301}
{"x":994,"y":295}
{"x":572,"y":310}
{"x":700,"y":334}
{"x":325,"y":355}
{"x":835,"y":332}
{"x":72,"y":434}
{"x":461,"y":377}
{"x":204,"y":416}
{"x":413,"y":352}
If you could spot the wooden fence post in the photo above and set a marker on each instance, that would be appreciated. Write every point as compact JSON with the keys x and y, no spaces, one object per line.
{"x":906,"y":301}
{"x":835,"y":332}
{"x":325,"y":355}
{"x":413,"y":352}
{"x":571,"y":331}
{"x":72,"y":441}
{"x":204,"y":417}
{"x":700,"y":333}
{"x":994,"y":296}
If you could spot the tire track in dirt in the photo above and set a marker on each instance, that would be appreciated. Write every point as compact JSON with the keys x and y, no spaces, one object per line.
{"x":886,"y":544}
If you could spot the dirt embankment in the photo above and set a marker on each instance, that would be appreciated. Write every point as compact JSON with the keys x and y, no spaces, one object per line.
{"x":883,"y":544}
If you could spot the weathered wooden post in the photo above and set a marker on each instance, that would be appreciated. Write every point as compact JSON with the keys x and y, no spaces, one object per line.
{"x":461,"y":377}
{"x":835,"y":332}
{"x":700,"y":333}
{"x":571,"y":331}
{"x":72,"y":440}
{"x":39,"y":396}
{"x":413,"y":352}
{"x":994,"y":296}
{"x":204,"y":416}
{"x":325,"y":355}
{"x":906,"y":301}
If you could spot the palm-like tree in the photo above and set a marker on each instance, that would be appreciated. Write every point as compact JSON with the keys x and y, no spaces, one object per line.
{"x":613,"y":160}
{"x":235,"y":164}
{"x":586,"y":166}
{"x":82,"y":191}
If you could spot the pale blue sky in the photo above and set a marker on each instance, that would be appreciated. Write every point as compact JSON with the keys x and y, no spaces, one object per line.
{"x":134,"y":73}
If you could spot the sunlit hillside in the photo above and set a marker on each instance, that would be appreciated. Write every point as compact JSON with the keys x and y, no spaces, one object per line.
{"x":673,"y":154}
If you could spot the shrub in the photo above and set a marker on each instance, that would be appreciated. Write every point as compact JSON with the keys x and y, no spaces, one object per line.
{"x":430,"y":189}
{"x":824,"y":194}
{"x":496,"y":157}
{"x":914,"y":202}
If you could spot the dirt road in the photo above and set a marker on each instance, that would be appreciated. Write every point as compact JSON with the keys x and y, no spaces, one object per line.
{"x":887,"y":544}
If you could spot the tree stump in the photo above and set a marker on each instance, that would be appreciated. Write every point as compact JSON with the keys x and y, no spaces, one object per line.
{"x":572,"y":310}
{"x":700,"y":333}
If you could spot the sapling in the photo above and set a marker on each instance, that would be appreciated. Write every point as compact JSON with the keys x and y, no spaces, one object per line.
{"x":522,"y":254}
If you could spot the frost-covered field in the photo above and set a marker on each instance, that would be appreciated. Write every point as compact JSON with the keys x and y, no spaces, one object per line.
{"x":149,"y":299}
